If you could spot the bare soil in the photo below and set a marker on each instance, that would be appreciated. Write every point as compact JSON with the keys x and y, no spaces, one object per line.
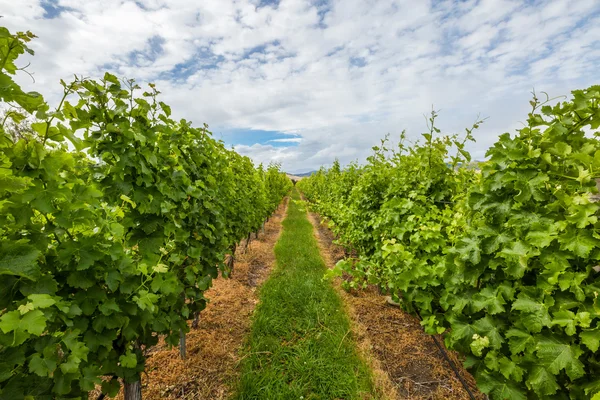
{"x":406,"y":362}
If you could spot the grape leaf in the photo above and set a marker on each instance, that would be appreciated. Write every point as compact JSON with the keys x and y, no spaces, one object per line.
{"x":41,"y":366}
{"x":128,"y":360}
{"x":543,"y":382}
{"x":19,"y":259}
{"x":556,"y":355}
{"x":591,"y":339}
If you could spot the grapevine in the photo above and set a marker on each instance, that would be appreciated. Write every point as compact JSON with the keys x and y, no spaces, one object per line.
{"x":504,"y":261}
{"x":109,"y":242}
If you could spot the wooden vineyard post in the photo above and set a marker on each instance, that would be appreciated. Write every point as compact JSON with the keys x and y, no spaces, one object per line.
{"x":196,"y":320}
{"x":182,"y":348}
{"x":247,"y":242}
{"x":133,"y":390}
{"x":231,"y":258}
{"x":182,"y":337}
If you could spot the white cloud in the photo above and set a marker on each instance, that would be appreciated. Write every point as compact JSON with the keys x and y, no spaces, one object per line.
{"x":267,"y":153}
{"x":341,"y":74}
{"x":290,"y":140}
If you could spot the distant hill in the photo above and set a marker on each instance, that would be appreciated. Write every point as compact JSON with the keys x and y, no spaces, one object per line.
{"x":475,"y":164}
{"x":304,"y":174}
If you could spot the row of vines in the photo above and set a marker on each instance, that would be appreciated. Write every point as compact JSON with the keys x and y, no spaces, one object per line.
{"x":114,"y":219}
{"x":501,"y":257}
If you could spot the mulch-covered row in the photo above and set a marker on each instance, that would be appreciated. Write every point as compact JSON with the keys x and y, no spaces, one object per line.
{"x":406,"y":361}
{"x":211,"y":366}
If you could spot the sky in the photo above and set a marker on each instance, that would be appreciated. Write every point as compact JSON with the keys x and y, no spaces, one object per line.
{"x":303,"y":82}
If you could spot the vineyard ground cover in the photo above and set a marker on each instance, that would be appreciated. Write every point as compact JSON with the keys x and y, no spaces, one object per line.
{"x":301,"y":344}
{"x":211,"y":367}
{"x":405,"y":361}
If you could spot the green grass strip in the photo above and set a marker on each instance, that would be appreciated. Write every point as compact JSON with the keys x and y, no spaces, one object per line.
{"x":300,"y":346}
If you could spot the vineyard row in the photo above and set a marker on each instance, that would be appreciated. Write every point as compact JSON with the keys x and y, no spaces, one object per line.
{"x":501,"y":257}
{"x":114,"y":219}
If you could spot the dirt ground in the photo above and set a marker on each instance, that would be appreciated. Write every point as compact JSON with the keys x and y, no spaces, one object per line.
{"x":210,"y":369}
{"x":406,"y":362}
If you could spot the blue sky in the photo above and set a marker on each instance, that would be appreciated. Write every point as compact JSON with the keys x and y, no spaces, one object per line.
{"x":303,"y":82}
{"x":52,"y":8}
{"x":249,"y":137}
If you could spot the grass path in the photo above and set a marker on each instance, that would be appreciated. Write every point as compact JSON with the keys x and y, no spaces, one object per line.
{"x":300,"y":346}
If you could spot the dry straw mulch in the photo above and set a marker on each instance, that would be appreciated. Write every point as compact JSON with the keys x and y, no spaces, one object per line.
{"x":210,"y":369}
{"x":405,"y":360}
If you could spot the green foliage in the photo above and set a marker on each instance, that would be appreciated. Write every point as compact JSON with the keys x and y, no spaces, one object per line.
{"x":109,"y":242}
{"x":400,"y":212}
{"x":534,"y":220}
{"x":503,"y":261}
